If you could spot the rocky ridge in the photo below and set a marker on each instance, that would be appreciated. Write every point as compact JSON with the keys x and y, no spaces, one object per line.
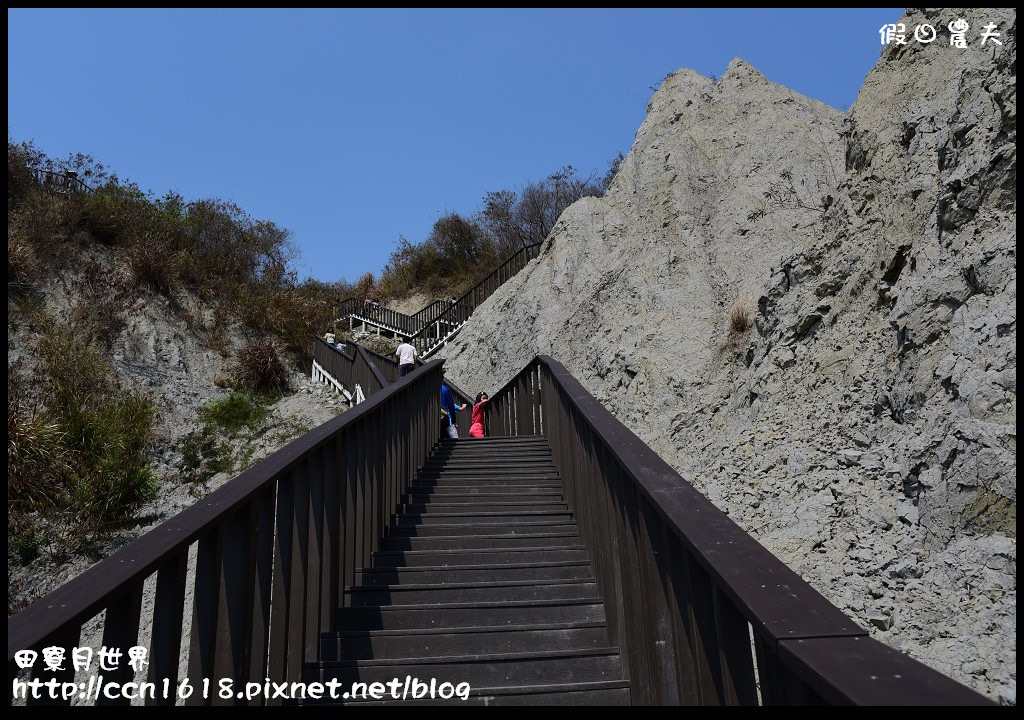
{"x":864,"y":430}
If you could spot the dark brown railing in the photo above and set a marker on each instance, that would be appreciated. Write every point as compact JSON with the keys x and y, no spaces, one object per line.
{"x":353,"y":365}
{"x":430,"y":312}
{"x":275,"y":548}
{"x":388,"y":366}
{"x":407,"y":324}
{"x":433,"y":324}
{"x":701,"y":612}
{"x":357,"y":364}
{"x":434,"y":334}
{"x":379,"y":315}
{"x":66,"y":181}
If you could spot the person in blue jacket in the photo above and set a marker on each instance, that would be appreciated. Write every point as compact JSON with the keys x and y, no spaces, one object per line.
{"x":450,"y":407}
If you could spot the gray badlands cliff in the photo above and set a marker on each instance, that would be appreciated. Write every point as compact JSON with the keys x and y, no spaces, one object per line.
{"x":865,"y":429}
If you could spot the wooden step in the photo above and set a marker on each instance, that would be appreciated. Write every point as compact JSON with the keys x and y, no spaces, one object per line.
{"x":469,"y":487}
{"x":496,"y":440}
{"x":376,"y":644}
{"x":496,"y":670}
{"x":512,"y":462}
{"x":434,"y":516}
{"x":490,"y":460}
{"x":483,"y":542}
{"x":477,"y":480}
{"x":489,"y":444}
{"x":398,"y":532}
{"x":486,"y":556}
{"x":467,"y":494}
{"x":565,"y":570}
{"x":428,"y":594}
{"x":488,"y":469}
{"x":491,"y":506}
{"x":480,"y":454}
{"x":462,"y":615}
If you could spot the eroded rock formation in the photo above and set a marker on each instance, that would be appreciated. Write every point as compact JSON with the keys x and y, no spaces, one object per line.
{"x":864,"y":430}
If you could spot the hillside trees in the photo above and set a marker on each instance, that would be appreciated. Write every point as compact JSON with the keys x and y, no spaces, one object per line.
{"x":78,"y":436}
{"x":238,"y":265}
{"x":460,"y":251}
{"x":516,"y":219}
{"x":456,"y":255}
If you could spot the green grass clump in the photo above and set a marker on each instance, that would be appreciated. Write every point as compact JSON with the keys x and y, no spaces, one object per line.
{"x":76,"y":447}
{"x":35,"y":451}
{"x":204,"y":455}
{"x":208,"y":451}
{"x":26,"y":547}
{"x":236,"y":411}
{"x":105,"y":432}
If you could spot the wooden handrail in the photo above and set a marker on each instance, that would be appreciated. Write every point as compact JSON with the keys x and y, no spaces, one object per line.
{"x":418,"y":327}
{"x":276,"y":547}
{"x":458,"y":312}
{"x":367,"y":367}
{"x":62,"y":181}
{"x":701,"y":612}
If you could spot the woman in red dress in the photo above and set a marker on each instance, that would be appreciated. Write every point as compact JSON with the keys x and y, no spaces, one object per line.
{"x":477,"y":428}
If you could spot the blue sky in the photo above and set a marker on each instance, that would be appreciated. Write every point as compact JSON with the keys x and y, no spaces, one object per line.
{"x":354,"y":127}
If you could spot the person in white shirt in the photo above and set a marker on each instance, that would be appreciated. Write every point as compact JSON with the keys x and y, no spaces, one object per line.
{"x":406,"y":355}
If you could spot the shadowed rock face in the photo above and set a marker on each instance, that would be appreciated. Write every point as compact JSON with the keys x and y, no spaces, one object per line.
{"x":864,"y":431}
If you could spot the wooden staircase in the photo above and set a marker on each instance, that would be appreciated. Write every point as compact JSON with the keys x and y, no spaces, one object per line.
{"x":481,"y":580}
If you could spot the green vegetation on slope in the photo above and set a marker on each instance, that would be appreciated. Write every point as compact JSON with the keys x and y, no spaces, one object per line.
{"x":461,"y":251}
{"x":237,"y":265}
{"x":76,"y":459}
{"x":77,"y":440}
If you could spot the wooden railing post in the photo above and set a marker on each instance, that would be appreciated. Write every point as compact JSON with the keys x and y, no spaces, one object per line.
{"x":123,"y":635}
{"x":168,"y":610}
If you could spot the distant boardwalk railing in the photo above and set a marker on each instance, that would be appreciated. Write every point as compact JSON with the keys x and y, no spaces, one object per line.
{"x":274,"y":550}
{"x":351,"y":366}
{"x":360,"y":365}
{"x":65,"y":181}
{"x":701,"y":612}
{"x":444,"y":325}
{"x":431,"y":327}
{"x":378,"y":314}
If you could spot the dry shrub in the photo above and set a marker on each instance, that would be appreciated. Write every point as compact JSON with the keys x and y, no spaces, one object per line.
{"x":39,"y":224}
{"x":100,"y":312}
{"x":154,"y":270}
{"x":35,"y":448}
{"x":22,"y":262}
{"x":110,"y":214}
{"x":740,"y":320}
{"x":258,"y":368}
{"x":741,"y":317}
